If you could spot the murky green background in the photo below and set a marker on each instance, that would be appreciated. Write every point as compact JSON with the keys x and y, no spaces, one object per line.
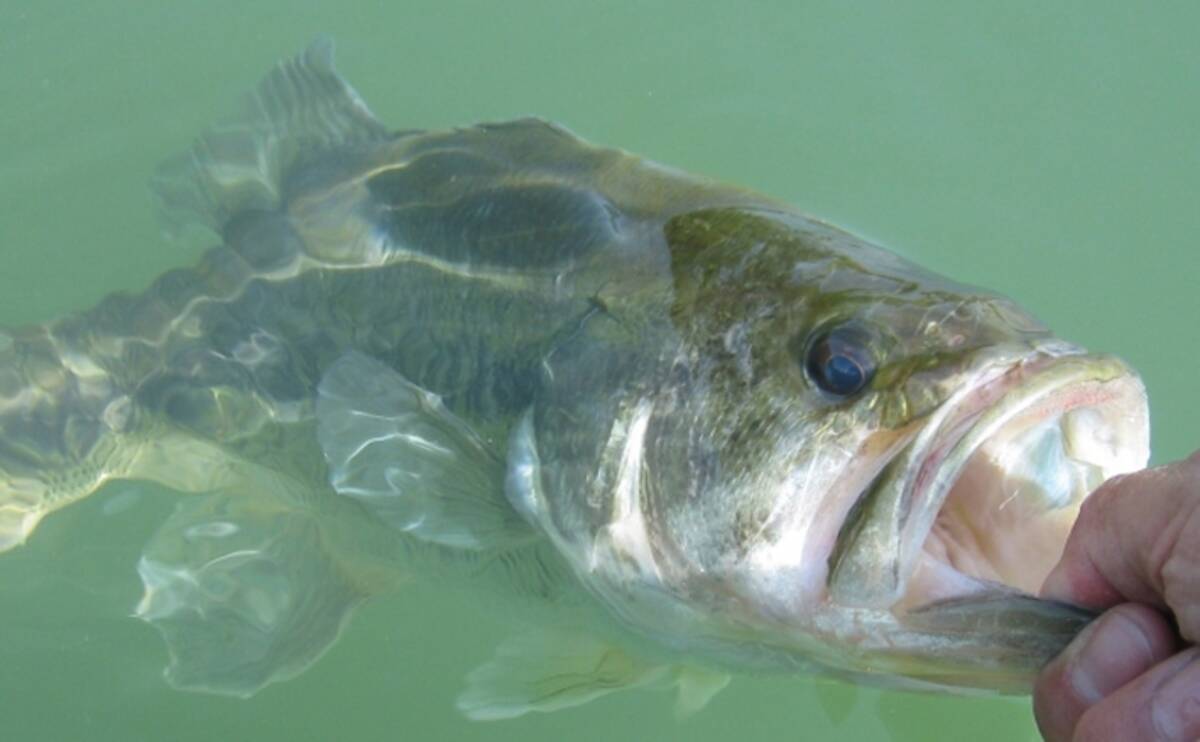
{"x":1047,"y":150}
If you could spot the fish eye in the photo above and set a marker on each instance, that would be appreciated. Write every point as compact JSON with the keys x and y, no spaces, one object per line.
{"x":839,"y":361}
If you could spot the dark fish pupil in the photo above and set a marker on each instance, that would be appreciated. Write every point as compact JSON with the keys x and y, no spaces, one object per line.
{"x":840,"y":361}
{"x":843,"y":375}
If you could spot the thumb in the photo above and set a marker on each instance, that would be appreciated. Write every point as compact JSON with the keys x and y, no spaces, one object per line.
{"x":1159,"y":705}
{"x":1111,"y":652}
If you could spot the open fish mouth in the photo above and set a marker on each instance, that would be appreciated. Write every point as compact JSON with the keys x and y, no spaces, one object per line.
{"x":980,"y":502}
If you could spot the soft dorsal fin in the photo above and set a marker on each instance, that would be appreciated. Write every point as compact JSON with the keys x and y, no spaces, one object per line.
{"x":395,"y":448}
{"x":558,"y":669}
{"x":301,"y":108}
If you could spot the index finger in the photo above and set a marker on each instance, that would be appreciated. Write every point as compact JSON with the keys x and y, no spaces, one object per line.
{"x":1137,"y":539}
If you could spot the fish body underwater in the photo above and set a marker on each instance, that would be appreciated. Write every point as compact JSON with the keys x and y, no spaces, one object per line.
{"x":691,"y":430}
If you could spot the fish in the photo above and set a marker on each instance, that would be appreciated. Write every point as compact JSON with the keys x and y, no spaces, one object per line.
{"x":684,"y":430}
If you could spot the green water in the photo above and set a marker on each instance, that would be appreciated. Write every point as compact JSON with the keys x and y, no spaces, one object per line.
{"x":1050,"y":153}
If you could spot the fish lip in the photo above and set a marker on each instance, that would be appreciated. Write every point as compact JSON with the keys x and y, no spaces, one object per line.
{"x":875,"y":556}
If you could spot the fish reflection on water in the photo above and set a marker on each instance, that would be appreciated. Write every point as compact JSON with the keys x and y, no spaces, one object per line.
{"x":688,"y":429}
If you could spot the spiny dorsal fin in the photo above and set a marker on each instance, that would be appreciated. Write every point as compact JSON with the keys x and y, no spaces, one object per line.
{"x":301,"y":108}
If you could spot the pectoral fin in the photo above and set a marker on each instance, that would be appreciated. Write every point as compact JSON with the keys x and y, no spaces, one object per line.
{"x":555,"y":670}
{"x":244,"y":591}
{"x":394,"y":447}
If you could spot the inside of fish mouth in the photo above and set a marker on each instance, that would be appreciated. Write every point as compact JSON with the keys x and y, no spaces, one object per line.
{"x":1006,"y":517}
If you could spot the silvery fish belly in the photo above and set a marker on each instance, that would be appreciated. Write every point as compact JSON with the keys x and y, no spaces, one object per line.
{"x":693,"y":431}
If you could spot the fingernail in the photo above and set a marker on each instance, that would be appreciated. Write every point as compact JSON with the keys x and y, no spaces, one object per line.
{"x":1175,"y":708}
{"x":1113,"y":649}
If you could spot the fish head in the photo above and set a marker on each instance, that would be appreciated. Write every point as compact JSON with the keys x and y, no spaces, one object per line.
{"x":838,"y":458}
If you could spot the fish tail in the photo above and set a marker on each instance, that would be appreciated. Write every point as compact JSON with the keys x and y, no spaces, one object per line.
{"x":139,"y":388}
{"x":249,"y":582}
{"x":64,"y":428}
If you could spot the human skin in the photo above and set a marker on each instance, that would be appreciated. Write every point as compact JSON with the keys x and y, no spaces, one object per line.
{"x":1134,"y":673}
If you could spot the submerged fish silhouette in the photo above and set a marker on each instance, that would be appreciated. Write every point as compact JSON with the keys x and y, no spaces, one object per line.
{"x":696,"y":431}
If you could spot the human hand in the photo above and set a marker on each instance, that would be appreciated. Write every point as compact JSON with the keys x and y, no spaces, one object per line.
{"x":1133,"y":674}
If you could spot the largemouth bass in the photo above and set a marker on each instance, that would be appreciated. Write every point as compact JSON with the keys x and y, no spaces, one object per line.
{"x":688,"y":430}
